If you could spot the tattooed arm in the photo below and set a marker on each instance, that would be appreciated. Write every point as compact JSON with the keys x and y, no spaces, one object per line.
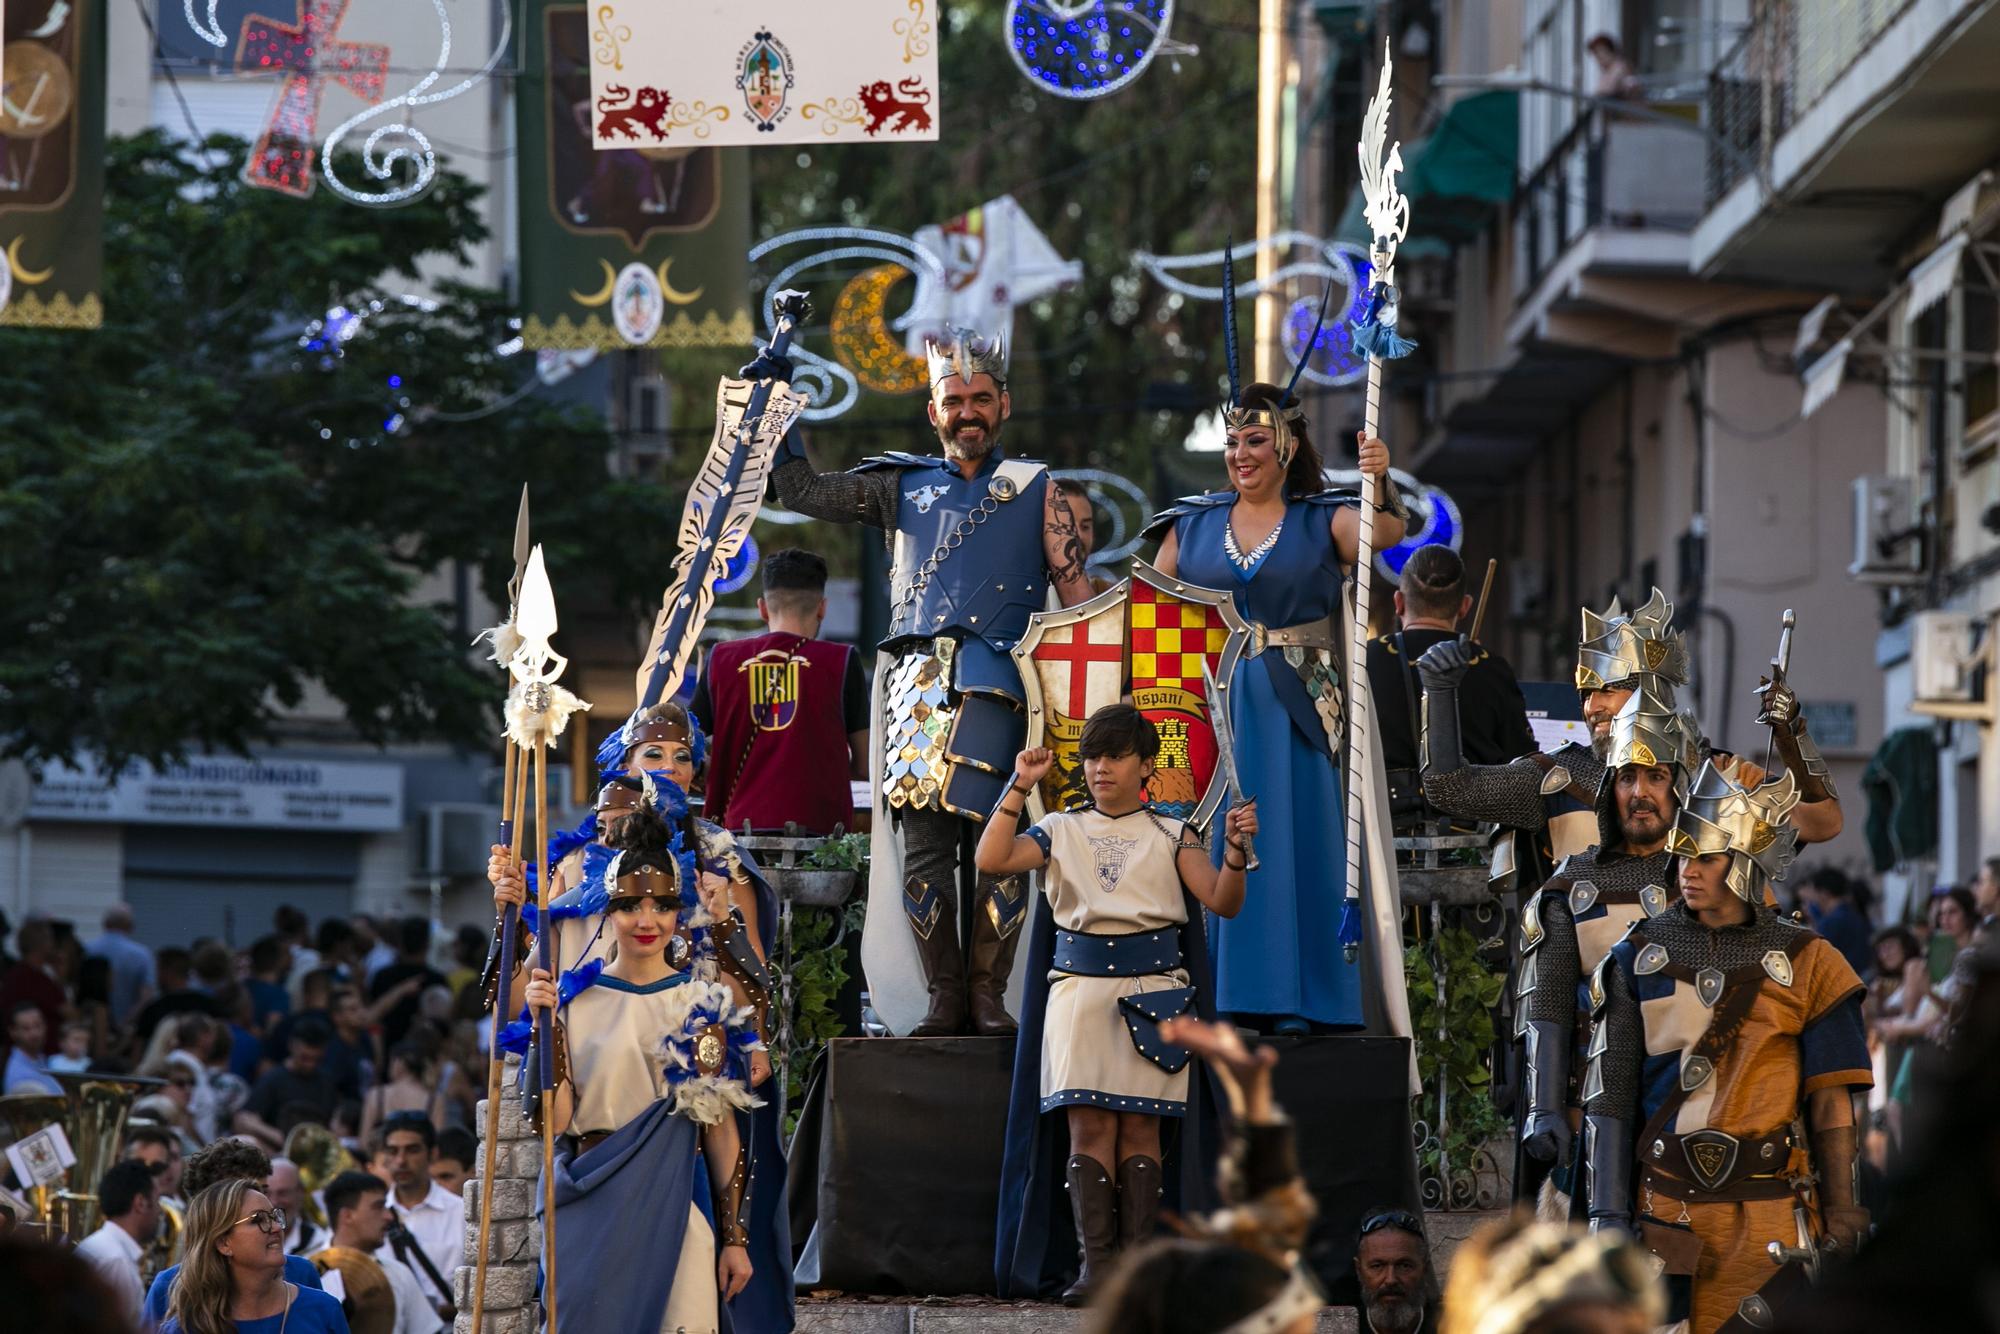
{"x":1062,"y":548}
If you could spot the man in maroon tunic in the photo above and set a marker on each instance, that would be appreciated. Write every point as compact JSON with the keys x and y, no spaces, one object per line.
{"x":786,"y":712}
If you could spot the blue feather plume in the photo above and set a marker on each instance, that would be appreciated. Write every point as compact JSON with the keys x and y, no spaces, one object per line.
{"x":1229,"y":319}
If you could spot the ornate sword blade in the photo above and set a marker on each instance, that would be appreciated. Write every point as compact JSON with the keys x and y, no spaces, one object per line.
{"x":1225,"y":731}
{"x":721,"y":504}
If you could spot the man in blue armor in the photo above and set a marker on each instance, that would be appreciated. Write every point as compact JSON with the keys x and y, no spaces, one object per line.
{"x":976,"y":541}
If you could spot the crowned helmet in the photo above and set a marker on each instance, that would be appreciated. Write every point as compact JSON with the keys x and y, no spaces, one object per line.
{"x":1752,"y":825}
{"x":966,"y":354}
{"x":1632,"y":649}
{"x":1648,"y":731}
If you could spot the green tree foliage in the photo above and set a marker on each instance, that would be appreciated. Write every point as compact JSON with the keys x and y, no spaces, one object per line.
{"x":203,"y":517}
{"x":1109,"y":372}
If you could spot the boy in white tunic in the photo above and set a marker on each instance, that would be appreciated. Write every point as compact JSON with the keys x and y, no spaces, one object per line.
{"x":1114,"y":874}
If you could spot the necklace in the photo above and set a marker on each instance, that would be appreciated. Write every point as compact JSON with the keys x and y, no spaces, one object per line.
{"x":1237,"y":555}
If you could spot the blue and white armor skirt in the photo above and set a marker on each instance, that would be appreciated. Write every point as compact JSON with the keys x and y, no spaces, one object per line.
{"x":1100,"y":1033}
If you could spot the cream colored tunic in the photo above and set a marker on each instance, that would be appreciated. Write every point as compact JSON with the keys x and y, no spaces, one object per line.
{"x":614,"y":1032}
{"x":1107,"y":876}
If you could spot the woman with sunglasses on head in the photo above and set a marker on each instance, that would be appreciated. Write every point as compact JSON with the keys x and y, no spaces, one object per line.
{"x":233,"y":1278}
{"x":1283,"y":545}
{"x":657,"y":1054}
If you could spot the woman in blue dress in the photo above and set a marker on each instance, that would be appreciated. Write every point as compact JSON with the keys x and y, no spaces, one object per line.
{"x":1283,"y":543}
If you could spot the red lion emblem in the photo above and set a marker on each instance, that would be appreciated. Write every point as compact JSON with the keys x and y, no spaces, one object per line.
{"x":908,"y":112}
{"x":623,"y":114}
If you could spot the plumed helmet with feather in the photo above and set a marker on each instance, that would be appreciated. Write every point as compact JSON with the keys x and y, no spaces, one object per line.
{"x":1287,"y":413}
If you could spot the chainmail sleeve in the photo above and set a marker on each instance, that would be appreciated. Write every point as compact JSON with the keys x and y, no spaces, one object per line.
{"x":1507,"y":794}
{"x":1550,"y":996}
{"x":1617,"y":1043}
{"x":865,"y":496}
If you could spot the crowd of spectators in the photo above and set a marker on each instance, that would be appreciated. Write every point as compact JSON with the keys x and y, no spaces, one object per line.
{"x":356,"y":1044}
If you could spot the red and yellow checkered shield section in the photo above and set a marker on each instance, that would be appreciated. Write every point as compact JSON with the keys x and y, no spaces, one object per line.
{"x":1171,"y":639}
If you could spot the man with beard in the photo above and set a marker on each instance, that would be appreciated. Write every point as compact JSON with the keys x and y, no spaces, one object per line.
{"x":1589,"y":903}
{"x":1393,"y":1263}
{"x":976,"y":539}
{"x":1551,"y":796}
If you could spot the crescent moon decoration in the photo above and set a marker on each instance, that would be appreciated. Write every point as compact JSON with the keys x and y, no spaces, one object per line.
{"x":1435,"y":519}
{"x":603,"y":296}
{"x":1335,"y":262}
{"x":22,"y":271}
{"x":1082,"y":49}
{"x":211,"y":31}
{"x":667,"y":287}
{"x":861,"y":337}
{"x":831,"y":387}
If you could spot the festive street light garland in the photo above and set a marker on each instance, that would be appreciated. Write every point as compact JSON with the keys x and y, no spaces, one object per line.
{"x":1083,"y":49}
{"x":1335,"y":361}
{"x":832,"y":387}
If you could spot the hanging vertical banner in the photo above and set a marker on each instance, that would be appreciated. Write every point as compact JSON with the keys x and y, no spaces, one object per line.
{"x":640,"y":246}
{"x":777,"y":72}
{"x":52,"y":164}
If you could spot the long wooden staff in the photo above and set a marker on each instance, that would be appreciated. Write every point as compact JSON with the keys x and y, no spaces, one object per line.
{"x":537,"y":711}
{"x":507,"y":928}
{"x":1485,"y":591}
{"x":1388,"y":214}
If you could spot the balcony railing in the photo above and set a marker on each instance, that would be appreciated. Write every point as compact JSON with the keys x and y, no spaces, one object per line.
{"x":1778,"y":70}
{"x":1608,"y":171}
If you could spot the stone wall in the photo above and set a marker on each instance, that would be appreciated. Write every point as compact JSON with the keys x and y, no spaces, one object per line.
{"x":515,"y":1246}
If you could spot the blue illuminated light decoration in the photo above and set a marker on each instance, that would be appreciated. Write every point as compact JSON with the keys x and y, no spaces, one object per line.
{"x":830,"y":387}
{"x":1082,"y":49}
{"x":1335,"y":361}
{"x":740,"y":568}
{"x":1435,"y":520}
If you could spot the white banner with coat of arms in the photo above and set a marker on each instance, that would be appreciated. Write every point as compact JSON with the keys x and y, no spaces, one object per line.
{"x":717,"y":72}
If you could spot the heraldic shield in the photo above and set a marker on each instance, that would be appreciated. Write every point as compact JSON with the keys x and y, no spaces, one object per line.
{"x":1150,"y":634}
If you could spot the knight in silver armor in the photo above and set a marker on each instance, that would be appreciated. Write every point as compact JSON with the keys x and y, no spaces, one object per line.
{"x":976,"y":541}
{"x":1727,"y":1064}
{"x":1551,"y":795}
{"x":1587,"y":905}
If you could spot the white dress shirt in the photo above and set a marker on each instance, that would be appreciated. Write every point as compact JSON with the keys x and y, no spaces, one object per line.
{"x":115,"y":1256}
{"x":414,"y":1313}
{"x":438,"y":1224}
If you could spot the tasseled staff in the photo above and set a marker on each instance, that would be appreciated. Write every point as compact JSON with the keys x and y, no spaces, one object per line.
{"x":1388,"y":214}
{"x":537,"y":711}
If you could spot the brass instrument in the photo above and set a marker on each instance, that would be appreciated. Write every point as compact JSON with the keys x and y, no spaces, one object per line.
{"x":92,"y":1114}
{"x":370,"y":1301}
{"x":320,"y":1157}
{"x":164,"y":1250}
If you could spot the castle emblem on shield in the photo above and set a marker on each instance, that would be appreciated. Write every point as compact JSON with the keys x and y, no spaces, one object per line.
{"x":774,"y":688}
{"x":764,"y":73}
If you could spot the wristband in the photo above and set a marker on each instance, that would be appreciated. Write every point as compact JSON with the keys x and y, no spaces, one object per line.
{"x":1228,"y":865}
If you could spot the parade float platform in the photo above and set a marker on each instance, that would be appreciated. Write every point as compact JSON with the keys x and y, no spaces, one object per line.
{"x":896,"y":1166}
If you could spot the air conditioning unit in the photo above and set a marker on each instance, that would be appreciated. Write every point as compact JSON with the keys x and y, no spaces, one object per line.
{"x":1941,"y":657}
{"x":1887,"y":547}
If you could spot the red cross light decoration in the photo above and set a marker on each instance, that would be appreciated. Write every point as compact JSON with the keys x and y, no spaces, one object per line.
{"x":306,"y":53}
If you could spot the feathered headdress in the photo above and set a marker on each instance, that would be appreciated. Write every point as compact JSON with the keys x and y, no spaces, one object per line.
{"x":1285,"y":414}
{"x":662,"y":722}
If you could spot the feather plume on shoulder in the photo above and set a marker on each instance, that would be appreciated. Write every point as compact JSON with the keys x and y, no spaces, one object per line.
{"x":707,"y":1083}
